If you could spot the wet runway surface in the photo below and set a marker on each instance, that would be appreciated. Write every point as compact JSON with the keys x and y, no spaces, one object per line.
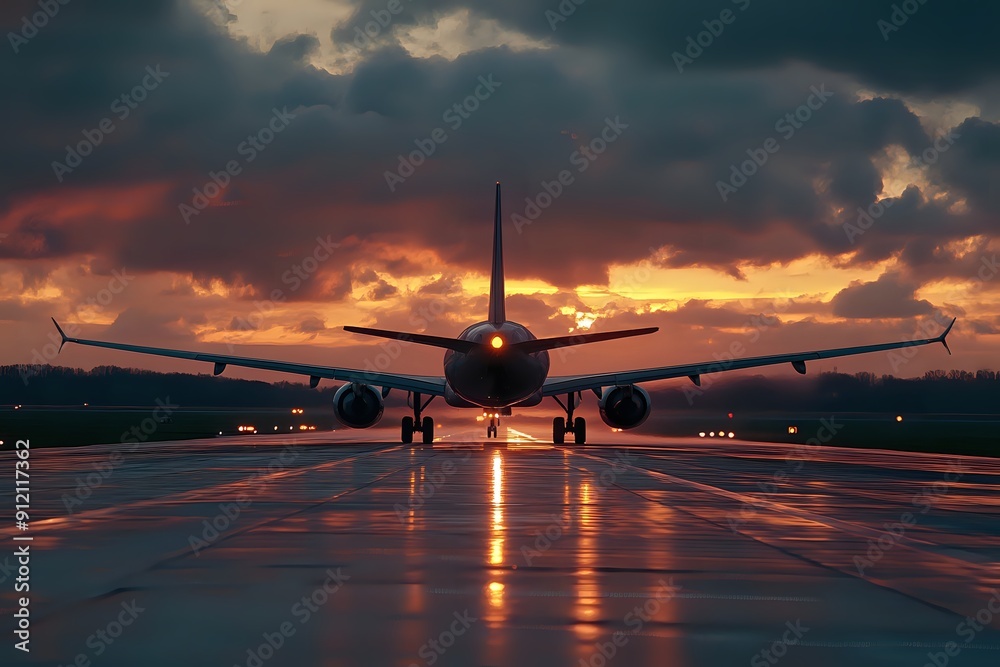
{"x":321,"y":551}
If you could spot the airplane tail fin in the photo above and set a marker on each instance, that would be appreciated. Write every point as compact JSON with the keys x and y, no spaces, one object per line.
{"x":498,"y":314}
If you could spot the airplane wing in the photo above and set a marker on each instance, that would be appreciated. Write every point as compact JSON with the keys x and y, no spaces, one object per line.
{"x":570,"y":384}
{"x":429,"y":385}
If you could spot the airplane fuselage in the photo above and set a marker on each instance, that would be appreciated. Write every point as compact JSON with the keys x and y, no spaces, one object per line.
{"x":496,"y":375}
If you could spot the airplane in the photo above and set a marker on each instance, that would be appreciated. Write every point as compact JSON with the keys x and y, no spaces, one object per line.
{"x":498,"y":365}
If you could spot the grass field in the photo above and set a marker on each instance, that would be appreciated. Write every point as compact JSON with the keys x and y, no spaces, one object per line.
{"x":67,"y":427}
{"x":75,"y":426}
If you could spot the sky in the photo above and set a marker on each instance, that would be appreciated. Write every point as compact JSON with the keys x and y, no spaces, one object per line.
{"x":751,"y":176}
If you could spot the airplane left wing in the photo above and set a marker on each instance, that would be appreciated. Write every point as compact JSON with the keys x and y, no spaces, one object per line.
{"x":570,"y":384}
{"x":424,"y":384}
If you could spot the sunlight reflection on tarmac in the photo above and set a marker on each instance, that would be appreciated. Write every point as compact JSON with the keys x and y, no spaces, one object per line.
{"x":330,"y":550}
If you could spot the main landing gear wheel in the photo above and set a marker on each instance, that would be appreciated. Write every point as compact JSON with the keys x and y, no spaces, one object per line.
{"x":561,"y":426}
{"x":417,"y":423}
{"x":491,"y":429}
{"x":427,"y":428}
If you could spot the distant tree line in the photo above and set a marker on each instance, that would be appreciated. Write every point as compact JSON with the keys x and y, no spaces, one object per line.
{"x":936,"y":391}
{"x":111,"y":385}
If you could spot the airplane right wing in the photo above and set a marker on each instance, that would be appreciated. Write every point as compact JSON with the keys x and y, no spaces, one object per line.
{"x":570,"y":384}
{"x":424,"y":384}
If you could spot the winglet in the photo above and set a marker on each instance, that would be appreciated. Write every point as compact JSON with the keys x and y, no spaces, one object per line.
{"x":943,"y":338}
{"x":61,"y":333}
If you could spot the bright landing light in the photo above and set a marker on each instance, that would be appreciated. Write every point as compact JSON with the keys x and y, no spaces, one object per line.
{"x":496,"y":342}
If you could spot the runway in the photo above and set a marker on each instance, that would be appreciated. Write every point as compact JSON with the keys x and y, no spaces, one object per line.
{"x":326,"y":550}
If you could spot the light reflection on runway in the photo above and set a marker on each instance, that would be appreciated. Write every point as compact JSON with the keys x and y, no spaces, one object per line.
{"x":550,"y":549}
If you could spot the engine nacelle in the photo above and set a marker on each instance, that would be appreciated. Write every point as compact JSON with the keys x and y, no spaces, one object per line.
{"x":625,"y":407}
{"x":358,"y":405}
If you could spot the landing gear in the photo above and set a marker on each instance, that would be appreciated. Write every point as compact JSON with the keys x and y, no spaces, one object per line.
{"x":577,"y":426}
{"x":491,"y":429}
{"x":413,"y":424}
{"x":427,"y":428}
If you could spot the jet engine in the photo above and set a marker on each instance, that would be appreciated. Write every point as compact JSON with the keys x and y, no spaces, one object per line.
{"x":358,"y":405}
{"x":625,"y":407}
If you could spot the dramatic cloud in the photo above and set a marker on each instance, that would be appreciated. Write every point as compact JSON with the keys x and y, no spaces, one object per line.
{"x":884,"y":298}
{"x":266,"y":173}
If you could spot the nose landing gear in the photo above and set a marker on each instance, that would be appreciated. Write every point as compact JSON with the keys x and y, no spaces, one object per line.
{"x":577,"y":426}
{"x":494,"y":424}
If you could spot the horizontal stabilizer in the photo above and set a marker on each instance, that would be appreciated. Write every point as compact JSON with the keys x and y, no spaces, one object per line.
{"x":421,"y":339}
{"x":530,"y":346}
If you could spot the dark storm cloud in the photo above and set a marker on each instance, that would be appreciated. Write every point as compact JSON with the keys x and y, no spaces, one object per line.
{"x":323,"y":176}
{"x":295,"y":47}
{"x":984,"y":328}
{"x":381,"y":290}
{"x":972,"y":165}
{"x":938,"y":46}
{"x":887,"y":297}
{"x":240,"y":324}
{"x":310,"y":325}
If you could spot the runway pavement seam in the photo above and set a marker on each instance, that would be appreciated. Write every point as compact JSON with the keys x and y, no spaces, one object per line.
{"x":842,"y":571}
{"x":44,"y":614}
{"x":806,"y":515}
{"x":714,"y":638}
{"x":191,"y":495}
{"x":630,"y":594}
